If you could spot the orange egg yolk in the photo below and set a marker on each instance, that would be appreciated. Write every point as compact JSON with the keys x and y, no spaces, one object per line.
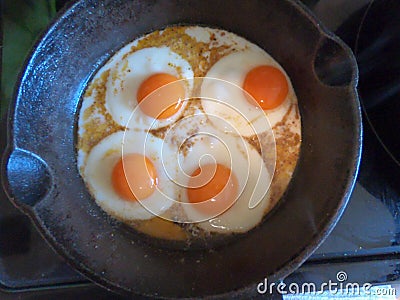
{"x":267,"y":85}
{"x":166,"y":101}
{"x":218,"y":194}
{"x":134,"y":177}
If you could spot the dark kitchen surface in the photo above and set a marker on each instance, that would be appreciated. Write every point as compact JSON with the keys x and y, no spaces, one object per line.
{"x":365,"y":243}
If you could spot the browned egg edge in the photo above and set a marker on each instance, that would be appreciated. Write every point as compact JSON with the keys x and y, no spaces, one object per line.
{"x":174,"y":37}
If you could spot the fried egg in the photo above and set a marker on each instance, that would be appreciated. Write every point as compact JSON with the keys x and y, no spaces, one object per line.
{"x":251,"y":85}
{"x":124,"y":172}
{"x":226,"y":184}
{"x":213,"y":133}
{"x":133,"y":88}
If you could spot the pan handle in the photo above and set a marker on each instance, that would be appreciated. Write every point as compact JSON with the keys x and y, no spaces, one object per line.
{"x":334,"y":63}
{"x":27,"y":178}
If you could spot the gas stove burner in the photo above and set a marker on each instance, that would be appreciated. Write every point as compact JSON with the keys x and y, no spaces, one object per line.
{"x":377,"y":48}
{"x":373,"y":33}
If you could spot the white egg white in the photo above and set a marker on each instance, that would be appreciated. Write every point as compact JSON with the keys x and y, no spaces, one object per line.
{"x":230,"y":100}
{"x":126,"y":77}
{"x":223,"y":99}
{"x":252,"y":176}
{"x":99,"y":166}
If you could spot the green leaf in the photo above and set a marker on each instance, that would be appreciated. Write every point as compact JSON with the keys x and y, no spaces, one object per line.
{"x":23,"y":21}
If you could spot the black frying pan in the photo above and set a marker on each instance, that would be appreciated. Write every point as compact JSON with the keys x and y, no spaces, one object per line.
{"x":42,"y":179}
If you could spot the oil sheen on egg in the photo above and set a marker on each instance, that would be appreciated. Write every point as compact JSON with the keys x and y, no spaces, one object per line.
{"x":111,"y":187}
